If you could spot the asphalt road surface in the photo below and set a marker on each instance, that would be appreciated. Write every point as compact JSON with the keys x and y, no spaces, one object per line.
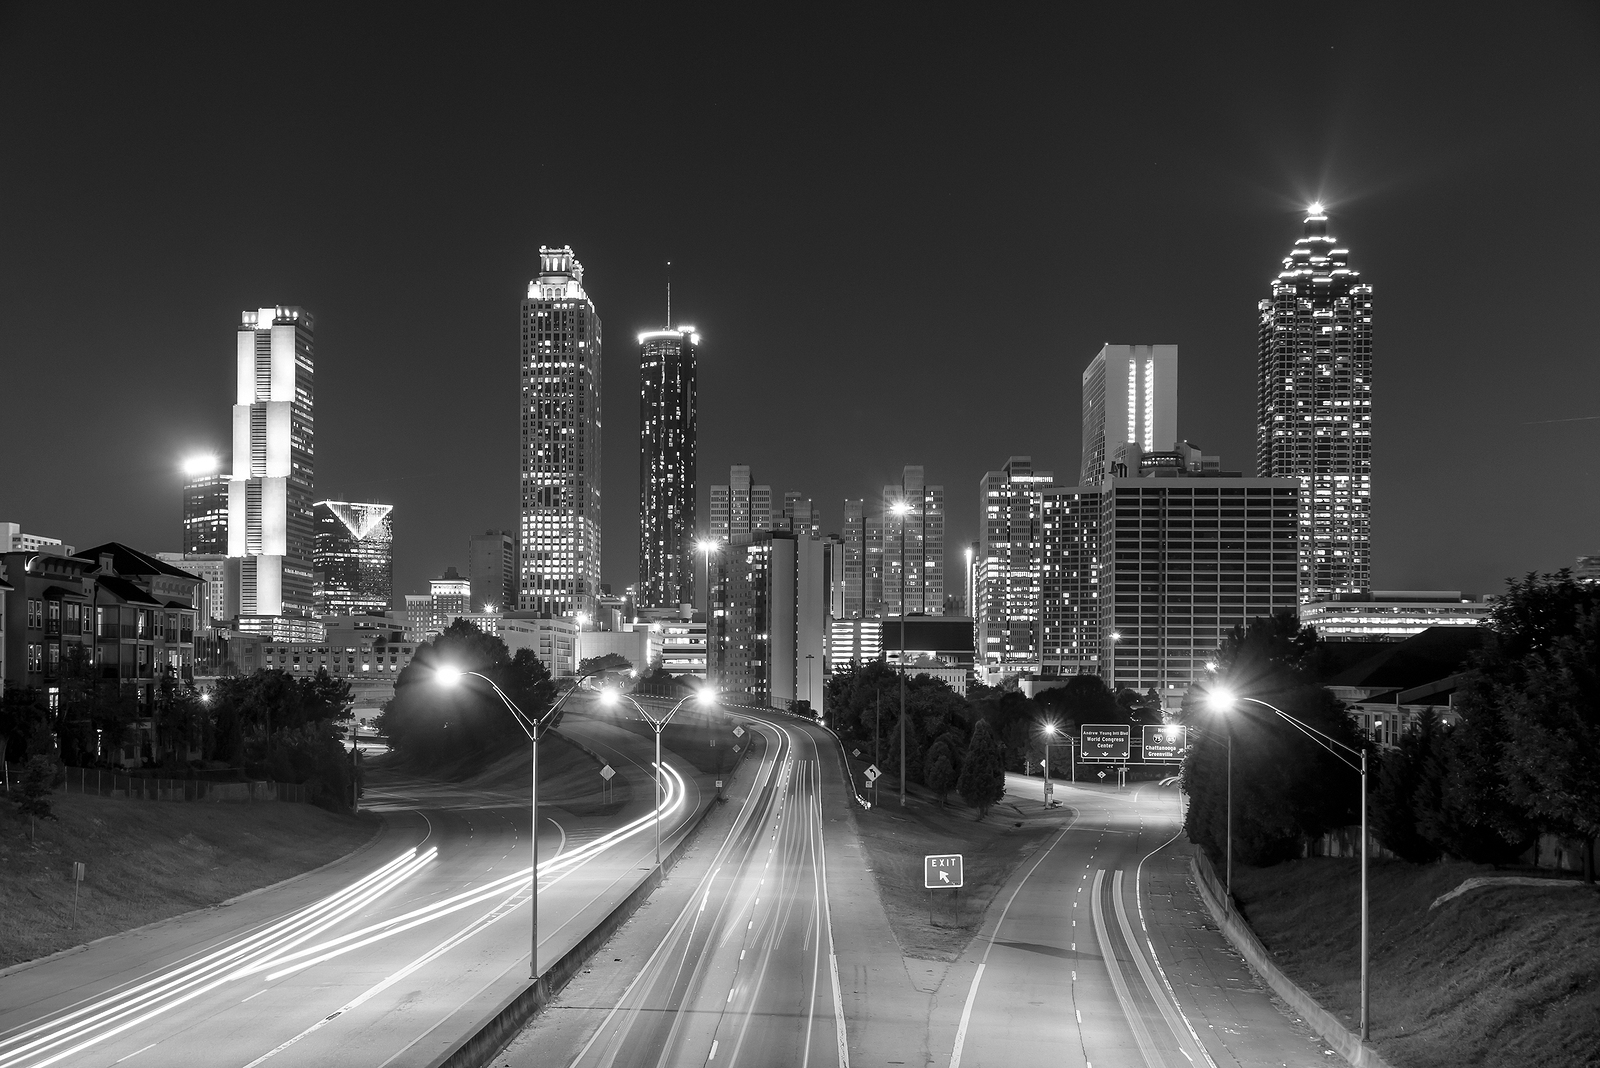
{"x":386,"y":958}
{"x":747,"y":974}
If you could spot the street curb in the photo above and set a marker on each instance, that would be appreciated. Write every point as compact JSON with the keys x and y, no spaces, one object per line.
{"x":478,"y":1049}
{"x":383,"y":826}
{"x":1344,"y":1041}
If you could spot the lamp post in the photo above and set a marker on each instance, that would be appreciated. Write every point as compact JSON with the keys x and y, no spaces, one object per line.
{"x":1116,"y":636}
{"x":1222,"y":700}
{"x":449,"y":676}
{"x":705,"y":697}
{"x":1050,"y":732}
{"x":809,"y":657}
{"x":900,"y":508}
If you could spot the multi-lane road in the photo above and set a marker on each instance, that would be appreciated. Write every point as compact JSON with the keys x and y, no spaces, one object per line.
{"x":389,"y":957}
{"x":1093,"y":954}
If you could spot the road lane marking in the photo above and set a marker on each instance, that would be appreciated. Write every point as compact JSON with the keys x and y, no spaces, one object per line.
{"x":134,"y":1054}
{"x":1141,"y":1034}
{"x":713,"y":1050}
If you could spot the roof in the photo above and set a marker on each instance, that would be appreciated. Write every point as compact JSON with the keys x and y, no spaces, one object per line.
{"x":127,"y":560}
{"x":1436,"y":653}
{"x":125,"y":591}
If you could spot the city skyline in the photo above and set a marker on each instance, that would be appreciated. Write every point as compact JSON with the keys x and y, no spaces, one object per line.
{"x":892,"y":377}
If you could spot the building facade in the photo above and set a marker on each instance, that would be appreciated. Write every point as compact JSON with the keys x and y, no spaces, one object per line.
{"x":801,"y":515}
{"x":862,"y":569}
{"x":553,"y":641}
{"x":741,"y":507}
{"x":492,"y":570}
{"x":354,"y":558}
{"x":450,"y":598}
{"x":205,"y":511}
{"x":1392,"y":615}
{"x":1184,"y":560}
{"x":418,"y":617}
{"x":212,"y":571}
{"x":668,"y":465}
{"x":1314,"y":407}
{"x":1130,"y":394}
{"x":13,"y":539}
{"x":1009,"y":565}
{"x":1069,"y":580}
{"x":271,"y":530}
{"x":768,"y":629}
{"x":913,"y":546}
{"x":559,"y":536}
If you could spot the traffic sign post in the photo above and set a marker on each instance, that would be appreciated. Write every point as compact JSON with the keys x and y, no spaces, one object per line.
{"x":606,"y":773}
{"x":1105,"y":743}
{"x":78,"y":871}
{"x":943,"y":871}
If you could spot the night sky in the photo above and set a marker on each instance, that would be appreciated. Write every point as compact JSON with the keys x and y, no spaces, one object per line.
{"x":902,"y":233}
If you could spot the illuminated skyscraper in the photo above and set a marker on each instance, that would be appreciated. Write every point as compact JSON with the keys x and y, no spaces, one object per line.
{"x":1009,"y":565}
{"x":668,"y":465}
{"x":1130,"y":394}
{"x":913,"y":546}
{"x":205,"y":508}
{"x":270,"y":528}
{"x":1314,"y":407}
{"x":559,"y":540}
{"x":354,"y":558}
{"x":740,"y":508}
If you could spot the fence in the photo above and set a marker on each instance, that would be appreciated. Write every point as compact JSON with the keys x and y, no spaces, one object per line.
{"x":104,"y":782}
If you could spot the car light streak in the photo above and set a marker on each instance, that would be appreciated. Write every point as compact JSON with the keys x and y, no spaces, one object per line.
{"x":283,"y":942}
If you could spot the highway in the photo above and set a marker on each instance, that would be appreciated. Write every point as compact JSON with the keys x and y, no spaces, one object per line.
{"x":386,"y":958}
{"x":1093,"y":955}
{"x":747,"y":973}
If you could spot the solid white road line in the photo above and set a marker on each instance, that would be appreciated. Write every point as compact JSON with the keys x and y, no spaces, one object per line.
{"x":1141,"y":1034}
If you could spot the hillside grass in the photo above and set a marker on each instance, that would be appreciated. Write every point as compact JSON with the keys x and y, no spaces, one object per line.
{"x":148,"y":860}
{"x":1503,"y":975}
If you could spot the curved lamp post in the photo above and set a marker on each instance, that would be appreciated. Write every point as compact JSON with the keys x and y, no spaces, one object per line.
{"x":902,"y":508}
{"x":704,"y":697}
{"x":1050,"y":732}
{"x":446,"y":675}
{"x":1223,"y":700}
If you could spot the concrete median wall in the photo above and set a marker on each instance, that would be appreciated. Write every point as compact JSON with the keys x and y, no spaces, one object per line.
{"x":1345,"y":1042}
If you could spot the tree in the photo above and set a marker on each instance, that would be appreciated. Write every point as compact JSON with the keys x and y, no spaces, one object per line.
{"x":595,"y":665}
{"x":1402,"y":773}
{"x":1552,"y":764}
{"x":983,"y":774}
{"x":38,"y":782}
{"x":1084,"y":699}
{"x":21,"y":710}
{"x":939,"y":771}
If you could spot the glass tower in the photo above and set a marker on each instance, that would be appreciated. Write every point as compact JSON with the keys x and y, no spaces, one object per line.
{"x":354,"y":558}
{"x":559,"y":538}
{"x":1314,"y":407}
{"x":1130,"y":396}
{"x":668,"y":465}
{"x":270,"y":527}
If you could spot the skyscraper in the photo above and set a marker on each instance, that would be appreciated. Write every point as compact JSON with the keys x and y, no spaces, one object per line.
{"x":354,"y":558}
{"x":559,"y":539}
{"x":1314,"y":407}
{"x":800,"y":514}
{"x":668,"y":465}
{"x":1009,"y":563}
{"x":740,"y":507}
{"x":913,"y":546}
{"x":492,"y":570}
{"x":1130,"y":394}
{"x":271,"y":533}
{"x":862,"y":569}
{"x":451,"y":598}
{"x":205,"y":508}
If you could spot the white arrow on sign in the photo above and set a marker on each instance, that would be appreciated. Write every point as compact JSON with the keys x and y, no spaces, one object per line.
{"x":606,"y":772}
{"x":944,"y":876}
{"x":873,"y":772}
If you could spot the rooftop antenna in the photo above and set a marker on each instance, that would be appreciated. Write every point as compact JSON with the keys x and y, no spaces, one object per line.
{"x":669,"y":294}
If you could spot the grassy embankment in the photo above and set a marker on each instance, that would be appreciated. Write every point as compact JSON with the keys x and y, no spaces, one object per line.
{"x":896,"y":839}
{"x":148,"y":860}
{"x":1499,"y":975}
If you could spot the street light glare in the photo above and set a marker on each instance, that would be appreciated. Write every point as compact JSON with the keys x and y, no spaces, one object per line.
{"x":1220,"y":699}
{"x":706,"y":697}
{"x":900,"y":507}
{"x":706,"y":545}
{"x":608,"y":696}
{"x":1050,"y":729}
{"x":447,"y":675}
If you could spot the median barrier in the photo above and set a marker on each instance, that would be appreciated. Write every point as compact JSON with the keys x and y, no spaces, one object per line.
{"x":478,"y":1049}
{"x":1344,"y":1041}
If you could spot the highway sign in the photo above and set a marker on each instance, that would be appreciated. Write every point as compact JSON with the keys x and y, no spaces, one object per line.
{"x":738,"y":732}
{"x":855,"y":752}
{"x":872,"y":772}
{"x":942,"y":871}
{"x":1104,"y":741}
{"x":606,"y":772}
{"x":1165,"y":742}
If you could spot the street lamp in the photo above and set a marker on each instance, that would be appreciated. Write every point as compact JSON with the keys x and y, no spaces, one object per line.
{"x":705,"y":697}
{"x":1050,"y":732}
{"x":1223,"y":700}
{"x":900,"y":508}
{"x":448,"y":675}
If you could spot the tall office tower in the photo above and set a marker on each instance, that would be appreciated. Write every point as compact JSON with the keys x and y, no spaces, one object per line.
{"x":354,"y":558}
{"x":1010,"y":558}
{"x":205,"y":508}
{"x":862,"y":570}
{"x":1130,"y":394}
{"x":668,"y":465}
{"x":1069,"y":580}
{"x":450,"y":598}
{"x":492,"y":570}
{"x":913,"y":546}
{"x":801,"y":515}
{"x":271,"y":532}
{"x":1183,"y":560}
{"x":768,"y":630}
{"x":1314,"y":407}
{"x":740,"y":508}
{"x":559,"y":539}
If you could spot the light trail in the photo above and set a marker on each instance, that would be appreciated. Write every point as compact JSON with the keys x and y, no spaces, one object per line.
{"x":283,"y":941}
